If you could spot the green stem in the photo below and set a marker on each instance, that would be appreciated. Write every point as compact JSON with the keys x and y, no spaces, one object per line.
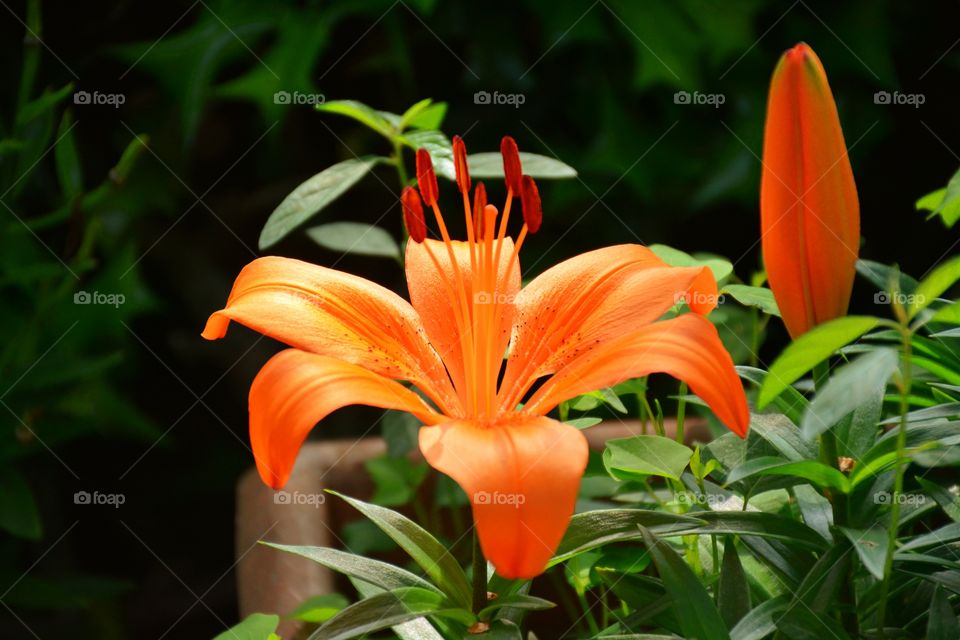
{"x":681,"y":411}
{"x":398,"y":161}
{"x":588,"y":614}
{"x":905,"y":383}
{"x":479,"y":575}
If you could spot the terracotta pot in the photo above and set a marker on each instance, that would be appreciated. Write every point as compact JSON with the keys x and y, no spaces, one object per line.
{"x":271,"y":581}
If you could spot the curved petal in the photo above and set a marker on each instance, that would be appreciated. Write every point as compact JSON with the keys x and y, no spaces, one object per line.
{"x":296,"y":389}
{"x":335,"y":314}
{"x":809,"y":211}
{"x":583,"y":302}
{"x":434,"y":294}
{"x":687,"y":347}
{"x":522,"y":479}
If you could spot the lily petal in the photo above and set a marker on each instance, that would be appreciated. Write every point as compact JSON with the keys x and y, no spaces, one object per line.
{"x":809,"y":212}
{"x":335,"y":314}
{"x":296,"y":389}
{"x":435,"y":295}
{"x":687,"y":347}
{"x":522,"y":479}
{"x":583,"y":302}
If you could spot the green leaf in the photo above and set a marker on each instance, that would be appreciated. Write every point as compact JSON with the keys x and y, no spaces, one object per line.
{"x":721,"y":267}
{"x":424,"y":115}
{"x":490,"y":165}
{"x":855,"y":384}
{"x":759,"y":297}
{"x":754,"y":523}
{"x":593,"y":529}
{"x":943,"y":202}
{"x":759,"y":622}
{"x":812,"y":470}
{"x":18,"y":511}
{"x":256,"y":626}
{"x":361,"y":113}
{"x":733,"y":592}
{"x":516,"y":601}
{"x":871,"y":546}
{"x":381,"y":574}
{"x":426,"y":551}
{"x":947,"y":501}
{"x":639,"y":456}
{"x":790,"y":401}
{"x":809,"y":350}
{"x":934,"y":285}
{"x":816,"y":510}
{"x":355,"y":237}
{"x":69,"y":171}
{"x":584,"y":423}
{"x":380,"y":611}
{"x":319,"y":608}
{"x":880,"y":275}
{"x":396,"y":479}
{"x":697,"y":615}
{"x":313,"y":196}
{"x":438,"y":146}
{"x":941,"y":621}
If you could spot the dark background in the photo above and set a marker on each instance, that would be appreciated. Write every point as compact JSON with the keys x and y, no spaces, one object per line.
{"x":164,"y":421}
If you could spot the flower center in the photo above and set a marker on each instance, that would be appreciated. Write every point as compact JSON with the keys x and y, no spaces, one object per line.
{"x":481,"y":300}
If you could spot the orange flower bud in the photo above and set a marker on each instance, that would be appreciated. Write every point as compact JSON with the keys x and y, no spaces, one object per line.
{"x":809,"y":212}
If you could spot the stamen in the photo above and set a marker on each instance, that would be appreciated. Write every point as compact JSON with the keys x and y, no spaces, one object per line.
{"x":530,"y":203}
{"x":426,"y":178}
{"x":479,"y":204}
{"x":511,"y":164}
{"x":460,"y":164}
{"x":413,"y":214}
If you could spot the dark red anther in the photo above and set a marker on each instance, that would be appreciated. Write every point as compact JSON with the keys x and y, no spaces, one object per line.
{"x":530,"y":201}
{"x":413,"y":214}
{"x":460,"y":164}
{"x":512,"y":171}
{"x":479,"y":202}
{"x":426,"y":177}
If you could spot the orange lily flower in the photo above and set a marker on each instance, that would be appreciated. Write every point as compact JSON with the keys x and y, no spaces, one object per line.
{"x":587,"y":323}
{"x":809,"y":212}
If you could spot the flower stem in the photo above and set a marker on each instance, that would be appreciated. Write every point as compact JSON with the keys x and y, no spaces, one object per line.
{"x":479,"y":575}
{"x":681,"y":411}
{"x":899,"y":469}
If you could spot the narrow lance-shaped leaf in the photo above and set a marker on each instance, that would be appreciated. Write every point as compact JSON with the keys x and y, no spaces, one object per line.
{"x":849,"y":387}
{"x":809,"y":350}
{"x":313,"y":196}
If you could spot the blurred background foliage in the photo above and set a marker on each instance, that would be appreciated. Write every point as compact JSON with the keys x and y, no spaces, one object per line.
{"x":162,"y":200}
